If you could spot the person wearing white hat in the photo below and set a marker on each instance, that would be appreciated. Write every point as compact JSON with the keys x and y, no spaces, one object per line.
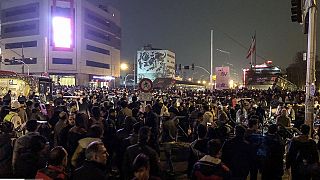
{"x":13,"y":115}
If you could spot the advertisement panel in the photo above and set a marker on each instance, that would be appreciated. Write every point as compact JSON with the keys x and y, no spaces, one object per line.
{"x":223,"y":77}
{"x":154,"y":64}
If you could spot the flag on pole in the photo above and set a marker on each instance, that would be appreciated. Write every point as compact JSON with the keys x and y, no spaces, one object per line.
{"x":252,"y":47}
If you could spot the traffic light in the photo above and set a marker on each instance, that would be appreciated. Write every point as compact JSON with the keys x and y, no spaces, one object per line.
{"x":192,"y":66}
{"x":179,"y":67}
{"x":296,"y":11}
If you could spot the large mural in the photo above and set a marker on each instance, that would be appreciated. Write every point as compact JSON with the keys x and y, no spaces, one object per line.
{"x":153,"y":64}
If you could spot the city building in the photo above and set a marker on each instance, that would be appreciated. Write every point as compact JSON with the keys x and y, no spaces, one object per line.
{"x":73,"y":41}
{"x":155,"y":63}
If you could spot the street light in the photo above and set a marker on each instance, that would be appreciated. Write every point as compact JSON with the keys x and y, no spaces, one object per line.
{"x":124,"y":66}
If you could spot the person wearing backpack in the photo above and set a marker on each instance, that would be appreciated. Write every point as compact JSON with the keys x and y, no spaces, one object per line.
{"x":210,"y":166}
{"x":302,"y":155}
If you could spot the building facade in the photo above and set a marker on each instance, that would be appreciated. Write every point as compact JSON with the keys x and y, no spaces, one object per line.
{"x":74,"y":41}
{"x":155,"y":63}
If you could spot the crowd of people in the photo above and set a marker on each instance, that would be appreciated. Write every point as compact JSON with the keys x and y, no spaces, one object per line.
{"x":109,"y":134}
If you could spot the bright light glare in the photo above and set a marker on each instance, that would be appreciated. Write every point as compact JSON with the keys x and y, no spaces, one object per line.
{"x":124,"y":66}
{"x":62,"y":34}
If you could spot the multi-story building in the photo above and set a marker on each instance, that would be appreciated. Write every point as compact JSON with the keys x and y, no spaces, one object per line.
{"x":155,"y":63}
{"x":74,"y":41}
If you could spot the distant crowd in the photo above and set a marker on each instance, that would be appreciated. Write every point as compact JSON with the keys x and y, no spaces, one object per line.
{"x":97,"y":133}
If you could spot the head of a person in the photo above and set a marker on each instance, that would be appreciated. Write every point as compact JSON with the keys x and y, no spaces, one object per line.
{"x":124,"y":104}
{"x":134,"y":98}
{"x":253,"y":123}
{"x":240,"y":131}
{"x":148,"y":108}
{"x":96,"y":152}
{"x":272,"y":129}
{"x":80,"y":120}
{"x":202,"y":131}
{"x":96,"y":111}
{"x":283,"y":112}
{"x":37,"y":144}
{"x":206,"y":107}
{"x":144,"y":134}
{"x":58,"y":156}
{"x":71,"y":119}
{"x":63,"y":115}
{"x":112,"y":112}
{"x":214,"y":147}
{"x":9,"y":92}
{"x":129,"y":122}
{"x":29,"y":103}
{"x":15,"y":106}
{"x":32,"y":125}
{"x":305,"y":129}
{"x":6,"y":127}
{"x":95,"y":131}
{"x":141,"y":167}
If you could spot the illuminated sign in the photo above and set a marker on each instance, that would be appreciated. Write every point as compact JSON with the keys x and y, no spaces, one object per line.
{"x":62,"y":32}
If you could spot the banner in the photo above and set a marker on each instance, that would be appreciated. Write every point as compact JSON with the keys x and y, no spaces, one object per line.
{"x":223,"y":77}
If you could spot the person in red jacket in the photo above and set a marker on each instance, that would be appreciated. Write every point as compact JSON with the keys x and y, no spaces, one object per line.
{"x":56,"y":165}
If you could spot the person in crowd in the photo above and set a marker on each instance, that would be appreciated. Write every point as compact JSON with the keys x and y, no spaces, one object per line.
{"x":22,"y":113}
{"x":63,"y":117}
{"x":169,"y":136}
{"x":7,"y":98}
{"x":272,"y":167}
{"x":13,"y":115}
{"x":6,"y":149}
{"x":57,"y":162}
{"x":211,"y":166}
{"x":302,"y":154}
{"x":141,"y":147}
{"x":283,"y":119}
{"x":96,"y":117}
{"x":23,"y":142}
{"x":141,"y":168}
{"x":198,"y":148}
{"x":95,"y":133}
{"x":63,"y":135}
{"x":243,"y":112}
{"x":76,"y":133}
{"x":207,"y":116}
{"x":152,"y":121}
{"x":94,"y":166}
{"x":237,"y":154}
{"x":291,"y":113}
{"x":255,"y":138}
{"x":33,"y":159}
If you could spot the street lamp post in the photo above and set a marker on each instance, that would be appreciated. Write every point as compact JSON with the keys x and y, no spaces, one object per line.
{"x":125,"y":80}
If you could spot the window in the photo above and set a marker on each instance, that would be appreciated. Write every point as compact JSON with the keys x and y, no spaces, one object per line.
{"x":97,"y":64}
{"x":19,"y":28}
{"x":98,"y":50}
{"x":61,"y":61}
{"x":25,"y":44}
{"x":20,"y":11}
{"x":99,"y":35}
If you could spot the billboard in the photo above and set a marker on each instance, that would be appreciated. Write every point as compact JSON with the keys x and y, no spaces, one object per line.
{"x":62,"y":32}
{"x":223,"y":77}
{"x":154,"y":64}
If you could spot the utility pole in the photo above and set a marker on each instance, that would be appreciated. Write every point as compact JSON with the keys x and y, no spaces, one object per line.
{"x":305,"y":13}
{"x":310,"y":9}
{"x":211,"y":62}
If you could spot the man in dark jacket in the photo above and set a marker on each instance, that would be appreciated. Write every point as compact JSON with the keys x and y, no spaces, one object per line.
{"x":237,"y":154}
{"x":141,"y":147}
{"x":272,"y":167}
{"x":95,"y":165}
{"x":152,"y":121}
{"x":302,"y":154}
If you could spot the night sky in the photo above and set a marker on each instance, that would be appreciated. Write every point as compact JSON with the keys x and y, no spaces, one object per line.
{"x":183,"y":26}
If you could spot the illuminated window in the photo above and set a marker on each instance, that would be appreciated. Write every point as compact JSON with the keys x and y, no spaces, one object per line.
{"x":62,"y":33}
